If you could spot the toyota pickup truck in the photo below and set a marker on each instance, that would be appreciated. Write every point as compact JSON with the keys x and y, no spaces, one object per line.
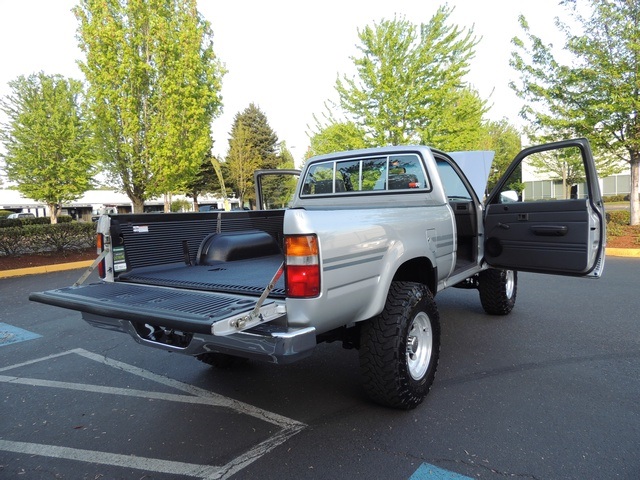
{"x":367,"y":240}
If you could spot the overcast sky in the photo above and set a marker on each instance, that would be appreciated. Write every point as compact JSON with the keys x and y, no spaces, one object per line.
{"x":284,"y":56}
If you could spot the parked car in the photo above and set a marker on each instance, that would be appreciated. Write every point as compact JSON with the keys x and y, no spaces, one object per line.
{"x":22,"y":215}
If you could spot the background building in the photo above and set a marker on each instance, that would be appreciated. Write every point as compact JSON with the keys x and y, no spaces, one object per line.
{"x":95,"y":202}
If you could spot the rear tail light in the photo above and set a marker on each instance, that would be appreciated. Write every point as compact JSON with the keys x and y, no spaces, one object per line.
{"x":302,"y":266}
{"x":99,"y":249}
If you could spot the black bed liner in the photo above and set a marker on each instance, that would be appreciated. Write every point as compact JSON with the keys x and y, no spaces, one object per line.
{"x":177,"y":296}
{"x":183,"y":310}
{"x":246,"y":277}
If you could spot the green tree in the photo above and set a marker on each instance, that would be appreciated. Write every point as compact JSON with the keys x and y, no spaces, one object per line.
{"x":409,"y":79}
{"x":205,"y":181}
{"x":505,"y":140}
{"x":263,"y":139}
{"x":596,"y":94}
{"x":334,"y":136}
{"x":242,"y":160}
{"x":252,"y":145}
{"x":154,"y":84}
{"x":565,"y":166}
{"x":48,"y":152}
{"x":457,"y":121}
{"x":278,"y":190}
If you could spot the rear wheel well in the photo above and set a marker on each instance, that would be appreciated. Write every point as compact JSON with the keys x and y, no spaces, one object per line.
{"x":419,"y":270}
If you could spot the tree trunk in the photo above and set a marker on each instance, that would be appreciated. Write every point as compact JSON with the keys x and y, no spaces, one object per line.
{"x":635,"y":190}
{"x":53,"y":213}
{"x":138,"y":205}
{"x":167,"y":202}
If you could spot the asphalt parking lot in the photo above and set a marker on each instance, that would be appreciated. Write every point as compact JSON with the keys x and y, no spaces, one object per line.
{"x":548,"y":392}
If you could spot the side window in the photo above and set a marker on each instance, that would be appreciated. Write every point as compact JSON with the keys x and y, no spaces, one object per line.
{"x":557,"y":174}
{"x":453,"y":185}
{"x":405,"y":171}
{"x":319,"y":179}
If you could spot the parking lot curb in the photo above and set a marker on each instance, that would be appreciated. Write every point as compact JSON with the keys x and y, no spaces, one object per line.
{"x":623,"y":252}
{"x":18,"y":272}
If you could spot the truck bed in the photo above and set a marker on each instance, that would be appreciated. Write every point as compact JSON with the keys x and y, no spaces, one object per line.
{"x":246,"y":277}
{"x":176,"y":296}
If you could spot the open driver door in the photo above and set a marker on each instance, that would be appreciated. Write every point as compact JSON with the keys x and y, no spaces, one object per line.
{"x":556,"y":223}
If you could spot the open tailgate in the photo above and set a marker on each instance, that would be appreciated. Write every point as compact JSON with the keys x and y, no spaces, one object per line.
{"x":180,"y":309}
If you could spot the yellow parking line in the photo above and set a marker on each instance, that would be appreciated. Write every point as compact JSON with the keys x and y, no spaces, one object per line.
{"x":45,"y":269}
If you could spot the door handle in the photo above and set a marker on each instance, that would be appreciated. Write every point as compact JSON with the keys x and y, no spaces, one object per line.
{"x":550,"y":230}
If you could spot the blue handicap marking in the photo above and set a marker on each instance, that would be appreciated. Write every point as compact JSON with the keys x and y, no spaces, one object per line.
{"x":10,"y":334}
{"x":431,"y":472}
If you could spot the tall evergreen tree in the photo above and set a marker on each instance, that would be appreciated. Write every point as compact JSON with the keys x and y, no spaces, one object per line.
{"x":47,"y":144}
{"x":596,"y":94}
{"x":252,"y":144}
{"x":261,"y":136}
{"x":154,"y":84}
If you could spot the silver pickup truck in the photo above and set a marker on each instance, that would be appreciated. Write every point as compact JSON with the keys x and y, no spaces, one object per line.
{"x":368,"y":239}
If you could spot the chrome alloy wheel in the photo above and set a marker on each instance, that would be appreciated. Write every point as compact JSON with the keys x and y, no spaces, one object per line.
{"x":419,"y":346}
{"x":509,"y":283}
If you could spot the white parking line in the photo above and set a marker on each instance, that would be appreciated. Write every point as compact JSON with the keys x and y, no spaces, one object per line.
{"x":112,"y":459}
{"x":195,"y":395}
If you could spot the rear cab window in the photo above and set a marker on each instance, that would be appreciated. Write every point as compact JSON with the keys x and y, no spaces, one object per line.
{"x":399,"y":172}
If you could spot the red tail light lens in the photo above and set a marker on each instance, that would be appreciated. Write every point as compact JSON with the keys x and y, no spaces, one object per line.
{"x":99,"y":248}
{"x":302,"y":266}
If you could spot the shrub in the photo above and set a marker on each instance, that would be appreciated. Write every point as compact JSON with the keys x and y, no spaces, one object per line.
{"x":614,"y":230}
{"x":35,"y":221}
{"x":616,"y":198}
{"x":13,"y":241}
{"x":60,"y":238}
{"x":19,"y":222}
{"x":86,"y":233}
{"x":181,"y":205}
{"x":10,"y":223}
{"x":619,"y":217}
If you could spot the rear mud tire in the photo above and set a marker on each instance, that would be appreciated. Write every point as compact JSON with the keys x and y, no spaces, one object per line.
{"x":399,"y":348}
{"x":498,"y":289}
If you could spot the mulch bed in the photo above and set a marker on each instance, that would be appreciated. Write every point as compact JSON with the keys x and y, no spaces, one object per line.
{"x":630,"y":239}
{"x":38,"y":260}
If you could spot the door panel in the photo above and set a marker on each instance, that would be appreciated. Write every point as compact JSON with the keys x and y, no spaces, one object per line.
{"x":553,"y":227}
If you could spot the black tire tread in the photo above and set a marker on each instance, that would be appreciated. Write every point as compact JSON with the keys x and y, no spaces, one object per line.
{"x":383,"y":349}
{"x":493,"y":295}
